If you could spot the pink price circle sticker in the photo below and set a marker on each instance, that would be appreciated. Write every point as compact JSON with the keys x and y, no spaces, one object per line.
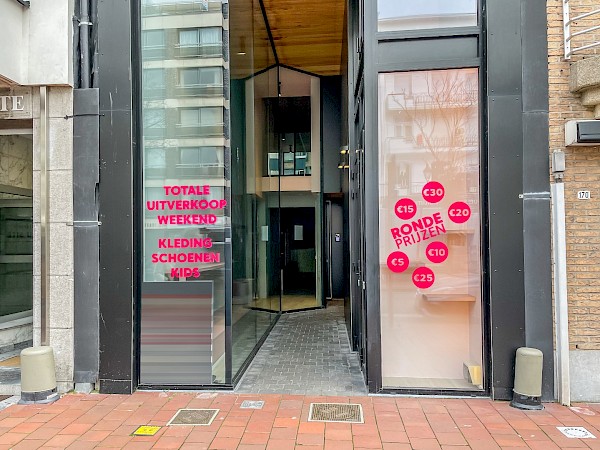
{"x":433,"y":192}
{"x":397,"y":262}
{"x":423,"y":277}
{"x":437,"y":252}
{"x":405,"y":208}
{"x":459,"y":212}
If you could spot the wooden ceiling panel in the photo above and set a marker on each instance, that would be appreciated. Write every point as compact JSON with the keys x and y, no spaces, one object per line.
{"x":308,"y":34}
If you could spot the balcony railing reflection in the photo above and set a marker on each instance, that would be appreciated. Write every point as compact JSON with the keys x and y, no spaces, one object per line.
{"x":178,"y":8}
{"x":440,"y":100}
{"x":153,"y":52}
{"x":199,"y":50}
{"x":216,"y":170}
{"x":153,"y":93}
{"x":408,"y":144}
{"x":199,"y":130}
{"x":199,"y":90}
{"x":154,"y":133}
{"x":447,"y":141}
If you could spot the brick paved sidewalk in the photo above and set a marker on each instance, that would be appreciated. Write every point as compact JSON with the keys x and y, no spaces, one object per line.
{"x":391,"y":423}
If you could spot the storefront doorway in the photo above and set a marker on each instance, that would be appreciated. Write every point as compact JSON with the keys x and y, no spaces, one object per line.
{"x":291,"y":261}
{"x":247,"y":134}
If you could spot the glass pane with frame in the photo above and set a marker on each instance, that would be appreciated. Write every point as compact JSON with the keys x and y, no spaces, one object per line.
{"x":394,"y":15}
{"x":430,"y":245}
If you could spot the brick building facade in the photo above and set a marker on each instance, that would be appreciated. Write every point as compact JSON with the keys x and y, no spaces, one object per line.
{"x":582,"y":173}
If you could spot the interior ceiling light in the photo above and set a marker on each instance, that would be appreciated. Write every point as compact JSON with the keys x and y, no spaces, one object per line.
{"x":242,"y":51}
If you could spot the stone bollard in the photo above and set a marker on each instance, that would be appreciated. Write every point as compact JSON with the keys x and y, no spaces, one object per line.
{"x":38,"y":377}
{"x":527,"y":393}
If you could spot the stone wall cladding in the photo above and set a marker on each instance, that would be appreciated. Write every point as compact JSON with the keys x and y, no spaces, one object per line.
{"x":583,"y":173}
{"x":60,"y":279}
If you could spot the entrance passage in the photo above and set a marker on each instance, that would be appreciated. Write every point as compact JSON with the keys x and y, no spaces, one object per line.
{"x":307,"y":353}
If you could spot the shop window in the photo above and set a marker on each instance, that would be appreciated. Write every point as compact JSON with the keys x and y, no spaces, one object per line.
{"x":184,"y":206}
{"x":431,"y":311}
{"x":394,"y":15}
{"x":16,"y":235}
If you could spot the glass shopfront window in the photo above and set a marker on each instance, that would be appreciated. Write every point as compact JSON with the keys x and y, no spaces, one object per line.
{"x":394,"y":15}
{"x":16,"y":227}
{"x":186,"y":203}
{"x":429,"y":219}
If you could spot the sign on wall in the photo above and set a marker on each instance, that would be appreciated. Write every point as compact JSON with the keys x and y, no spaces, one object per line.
{"x":177,"y":253}
{"x":15,"y":103}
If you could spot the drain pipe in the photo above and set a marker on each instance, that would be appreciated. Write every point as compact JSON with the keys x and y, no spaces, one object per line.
{"x":560,"y":278}
{"x":84,"y":46}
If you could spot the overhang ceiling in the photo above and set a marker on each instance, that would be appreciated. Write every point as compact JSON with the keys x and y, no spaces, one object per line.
{"x":307,"y":34}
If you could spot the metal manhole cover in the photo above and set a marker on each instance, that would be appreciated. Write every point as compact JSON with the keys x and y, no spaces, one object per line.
{"x":252,"y":404}
{"x":576,"y":432}
{"x":336,"y":412}
{"x":194,"y":417}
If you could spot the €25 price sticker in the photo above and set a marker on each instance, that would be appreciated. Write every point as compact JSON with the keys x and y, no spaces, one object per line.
{"x":423,"y":277}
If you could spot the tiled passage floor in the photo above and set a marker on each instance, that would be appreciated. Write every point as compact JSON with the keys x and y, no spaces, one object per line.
{"x":106,"y":421}
{"x":306,"y":353}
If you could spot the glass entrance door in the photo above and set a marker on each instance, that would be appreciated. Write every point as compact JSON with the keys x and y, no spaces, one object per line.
{"x":285,"y":152}
{"x":298,"y":268}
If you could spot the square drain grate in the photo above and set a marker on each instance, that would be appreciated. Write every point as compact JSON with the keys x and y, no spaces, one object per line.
{"x":336,"y":412}
{"x":194,"y":417}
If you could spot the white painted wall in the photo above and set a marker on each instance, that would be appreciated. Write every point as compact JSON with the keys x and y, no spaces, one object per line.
{"x":13,"y":37}
{"x":37,"y":42}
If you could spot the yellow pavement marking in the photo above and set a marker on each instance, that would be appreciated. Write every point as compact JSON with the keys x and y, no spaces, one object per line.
{"x":146,"y":430}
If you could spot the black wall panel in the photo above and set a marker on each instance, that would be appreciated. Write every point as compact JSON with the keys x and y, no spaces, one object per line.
{"x":519,"y":203}
{"x":507,"y":296}
{"x":116,"y":198}
{"x":503,"y":47}
{"x":536,"y":187}
{"x":418,"y":54}
{"x":86,"y":233}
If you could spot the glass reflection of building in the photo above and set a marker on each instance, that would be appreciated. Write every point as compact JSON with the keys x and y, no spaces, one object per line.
{"x":425,"y":14}
{"x":183,"y":111}
{"x":183,"y":115}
